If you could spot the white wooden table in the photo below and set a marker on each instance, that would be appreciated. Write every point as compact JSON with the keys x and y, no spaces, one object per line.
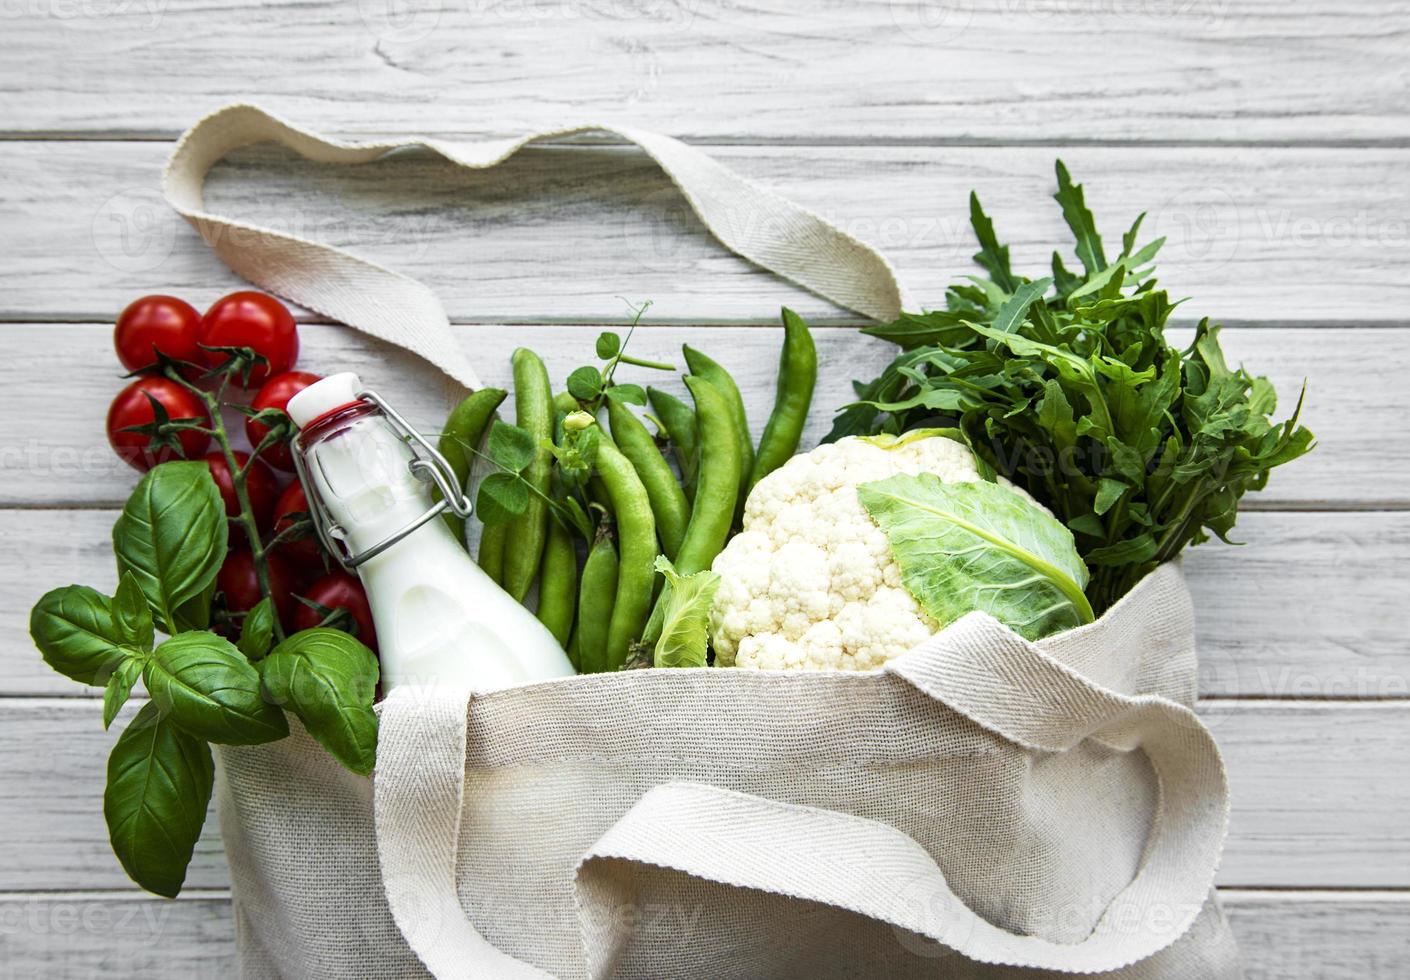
{"x":1269,"y":140}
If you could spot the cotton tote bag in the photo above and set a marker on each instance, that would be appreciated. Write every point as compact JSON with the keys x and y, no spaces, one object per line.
{"x":984,"y":806}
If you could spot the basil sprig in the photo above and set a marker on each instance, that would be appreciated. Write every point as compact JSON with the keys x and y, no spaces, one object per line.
{"x":1066,"y":385}
{"x":170,"y":542}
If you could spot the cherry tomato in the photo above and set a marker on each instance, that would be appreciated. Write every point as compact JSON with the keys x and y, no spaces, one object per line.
{"x":276,"y":393}
{"x":133,"y":407}
{"x":261,"y":485}
{"x":303,"y":552}
{"x":338,"y":590}
{"x":157,"y":323}
{"x":254,"y":320}
{"x":239,"y":583}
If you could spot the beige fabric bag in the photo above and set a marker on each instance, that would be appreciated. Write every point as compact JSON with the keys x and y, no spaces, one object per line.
{"x":983,"y":807}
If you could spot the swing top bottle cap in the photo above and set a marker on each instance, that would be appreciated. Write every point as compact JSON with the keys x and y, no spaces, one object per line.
{"x":324,"y":397}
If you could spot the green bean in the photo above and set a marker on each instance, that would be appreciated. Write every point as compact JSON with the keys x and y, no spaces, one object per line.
{"x":461,"y":434}
{"x":533,"y":412}
{"x":597,"y":593}
{"x":703,"y":367}
{"x":558,"y":581}
{"x":720,"y":466}
{"x":679,"y":420}
{"x":636,"y":536}
{"x":797,"y":374}
{"x":491,"y":554}
{"x":668,"y":502}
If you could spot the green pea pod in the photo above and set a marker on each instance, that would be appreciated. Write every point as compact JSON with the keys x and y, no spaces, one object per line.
{"x":668,"y":502}
{"x":718,"y":488}
{"x":491,"y":554}
{"x":597,"y":594}
{"x":563,"y":405}
{"x":461,"y":434}
{"x":533,"y":412}
{"x":797,"y":375}
{"x":703,"y":367}
{"x":558,"y":580}
{"x":636,"y":540}
{"x":679,"y":420}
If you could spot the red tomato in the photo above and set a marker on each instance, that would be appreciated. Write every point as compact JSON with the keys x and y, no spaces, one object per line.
{"x":303,"y":552}
{"x":133,"y":407}
{"x":261,"y":485}
{"x":276,"y":393}
{"x":338,"y":590}
{"x":239,"y":583}
{"x":157,"y":323}
{"x":254,"y":320}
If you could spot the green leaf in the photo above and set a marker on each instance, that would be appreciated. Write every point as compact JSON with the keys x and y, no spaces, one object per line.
{"x":131,"y":615}
{"x":327,"y":678}
{"x":609,"y":345}
{"x":635,"y":394}
{"x":1079,"y":219}
{"x":502,"y":497}
{"x":992,"y":256}
{"x":257,"y":631}
{"x":171,"y":536}
{"x":159,"y":786}
{"x":74,"y":630}
{"x":511,"y":447}
{"x":1109,"y":491}
{"x":210,"y":690}
{"x":980,"y":546}
{"x":585,"y":384}
{"x":685,"y":616}
{"x":119,"y":687}
{"x":1011,"y":314}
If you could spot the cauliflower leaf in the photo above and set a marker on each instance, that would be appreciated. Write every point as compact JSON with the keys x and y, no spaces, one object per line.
{"x":980,"y":546}
{"x":685,"y":616}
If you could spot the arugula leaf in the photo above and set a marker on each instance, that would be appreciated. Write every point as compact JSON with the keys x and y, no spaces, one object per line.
{"x":327,"y":678}
{"x":1080,"y":220}
{"x":980,"y":546}
{"x":685,"y":616}
{"x":210,"y":690}
{"x":171,"y":536}
{"x":992,"y":256}
{"x":159,"y":786}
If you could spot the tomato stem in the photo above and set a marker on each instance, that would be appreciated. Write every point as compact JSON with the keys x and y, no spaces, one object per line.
{"x":246,"y":518}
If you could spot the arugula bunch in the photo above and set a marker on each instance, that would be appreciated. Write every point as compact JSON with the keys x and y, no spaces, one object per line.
{"x":1066,"y":385}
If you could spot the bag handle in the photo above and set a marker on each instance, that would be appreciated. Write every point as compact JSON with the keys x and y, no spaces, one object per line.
{"x":755,"y":223}
{"x":976,"y":667}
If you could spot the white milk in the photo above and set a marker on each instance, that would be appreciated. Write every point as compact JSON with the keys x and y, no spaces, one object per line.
{"x":439,"y":618}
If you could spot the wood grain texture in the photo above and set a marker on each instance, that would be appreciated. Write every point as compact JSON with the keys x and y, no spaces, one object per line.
{"x":1283,"y":236}
{"x":1320,"y":793}
{"x":913,"y":70}
{"x":1303,"y":611}
{"x":54,"y":451}
{"x":1319,"y":935}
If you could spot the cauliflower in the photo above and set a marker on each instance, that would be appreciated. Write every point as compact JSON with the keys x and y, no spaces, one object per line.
{"x":810,"y":582}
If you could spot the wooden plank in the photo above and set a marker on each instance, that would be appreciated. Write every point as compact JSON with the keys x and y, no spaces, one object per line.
{"x":1320,"y":792}
{"x":1274,"y":235}
{"x":53,"y":450}
{"x":1281,"y":935}
{"x":882,"y":69}
{"x":1303,"y":611}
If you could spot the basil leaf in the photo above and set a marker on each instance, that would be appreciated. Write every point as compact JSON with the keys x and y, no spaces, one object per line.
{"x":980,"y":546}
{"x":327,"y":678}
{"x":131,"y":615}
{"x":74,"y":630}
{"x":257,"y":631}
{"x":159,"y":786}
{"x":685,"y":617}
{"x":208,"y":688}
{"x":119,"y":687}
{"x":172,"y":535}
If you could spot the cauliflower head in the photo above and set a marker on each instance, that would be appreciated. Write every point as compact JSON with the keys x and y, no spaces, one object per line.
{"x":810,"y":582}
